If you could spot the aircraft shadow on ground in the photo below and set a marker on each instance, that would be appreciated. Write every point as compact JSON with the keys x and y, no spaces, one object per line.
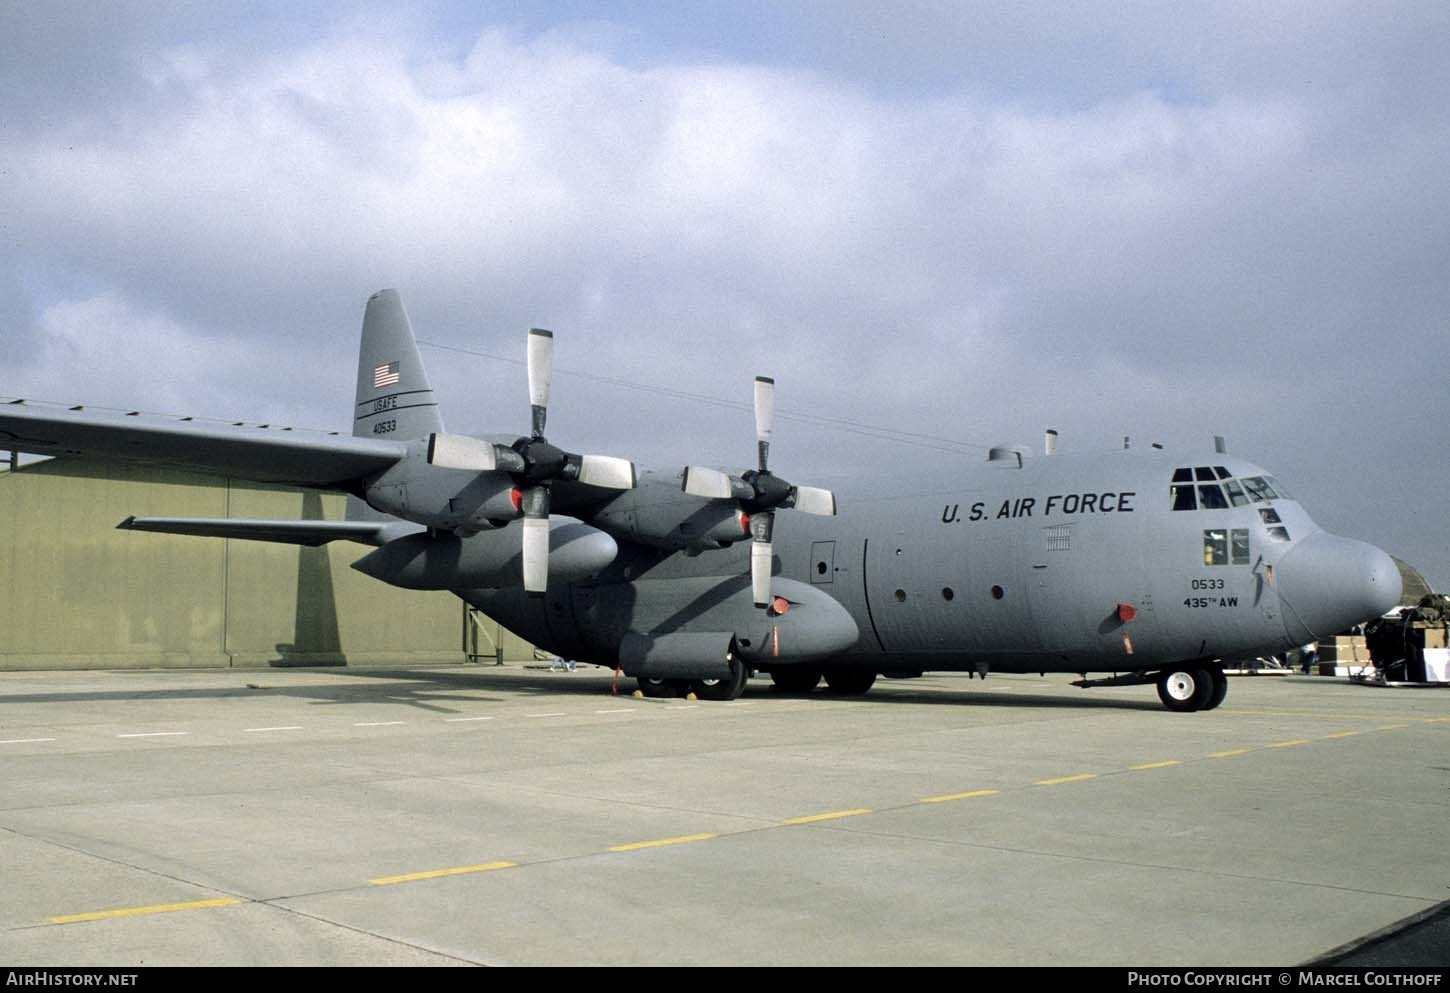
{"x":432,"y":690}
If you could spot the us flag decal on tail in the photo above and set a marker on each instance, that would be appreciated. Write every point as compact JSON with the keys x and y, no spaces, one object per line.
{"x":385,"y":375}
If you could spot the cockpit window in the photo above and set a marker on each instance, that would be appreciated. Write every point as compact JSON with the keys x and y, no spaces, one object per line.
{"x":1258,"y":488}
{"x":1211,"y":498}
{"x":1205,"y":487}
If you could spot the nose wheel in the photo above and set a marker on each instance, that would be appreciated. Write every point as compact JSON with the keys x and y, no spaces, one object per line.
{"x":1186,"y":690}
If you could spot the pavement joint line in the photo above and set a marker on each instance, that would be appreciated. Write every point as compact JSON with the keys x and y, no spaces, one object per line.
{"x":833,"y":815}
{"x":1156,"y":765}
{"x":683,"y":839}
{"x":1080,"y":777}
{"x":462,"y":870}
{"x":158,"y":908}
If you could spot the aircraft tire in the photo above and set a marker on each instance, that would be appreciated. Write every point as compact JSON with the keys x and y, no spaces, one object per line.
{"x":728,"y":688}
{"x":850,"y":682}
{"x":1218,"y":689}
{"x":661,"y":689}
{"x":1184,"y":690}
{"x":795,"y":679}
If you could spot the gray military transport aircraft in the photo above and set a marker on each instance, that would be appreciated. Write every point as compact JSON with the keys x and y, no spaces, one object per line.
{"x":1146,"y":565}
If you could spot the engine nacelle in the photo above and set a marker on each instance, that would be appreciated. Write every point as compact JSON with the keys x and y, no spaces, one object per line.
{"x":487,"y":560}
{"x":661,"y":516}
{"x":449,"y":499}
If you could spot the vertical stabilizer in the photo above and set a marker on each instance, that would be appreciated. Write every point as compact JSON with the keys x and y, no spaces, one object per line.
{"x":394,"y":398}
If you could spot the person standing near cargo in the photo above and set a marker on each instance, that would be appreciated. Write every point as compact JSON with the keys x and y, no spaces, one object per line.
{"x":1308,"y":655}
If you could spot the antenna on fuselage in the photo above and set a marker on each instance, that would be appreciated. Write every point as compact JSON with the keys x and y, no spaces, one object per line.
{"x":1049,"y":442}
{"x":1219,"y":445}
{"x":1126,"y":444}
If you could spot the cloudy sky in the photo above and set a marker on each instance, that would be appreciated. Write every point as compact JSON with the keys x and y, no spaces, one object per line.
{"x":938,"y":225}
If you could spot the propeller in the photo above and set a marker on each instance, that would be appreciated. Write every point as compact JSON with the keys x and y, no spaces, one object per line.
{"x":759,"y":492}
{"x":534,"y":463}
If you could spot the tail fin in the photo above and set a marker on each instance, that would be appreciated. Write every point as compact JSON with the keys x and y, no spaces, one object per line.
{"x":394,"y":398}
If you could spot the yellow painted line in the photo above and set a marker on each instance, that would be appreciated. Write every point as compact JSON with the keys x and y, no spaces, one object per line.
{"x":1067,"y":779}
{"x":661,"y":842}
{"x":1289,"y":744}
{"x":159,"y":908}
{"x":1435,"y":720}
{"x":960,"y":796}
{"x":1392,"y":727}
{"x":462,"y":870}
{"x":1156,"y":765}
{"x":833,"y":815}
{"x":1231,"y":751}
{"x":1344,"y":734}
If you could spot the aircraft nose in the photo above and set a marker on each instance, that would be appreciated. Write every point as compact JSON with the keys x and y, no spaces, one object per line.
{"x":1328,"y":584}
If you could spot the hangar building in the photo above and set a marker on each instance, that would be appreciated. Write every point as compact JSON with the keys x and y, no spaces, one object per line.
{"x":75,"y":592}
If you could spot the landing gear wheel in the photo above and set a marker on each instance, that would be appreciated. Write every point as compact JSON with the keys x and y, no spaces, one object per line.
{"x":661,"y":688}
{"x":795,"y":679}
{"x":1184,"y":690}
{"x":1218,"y":688}
{"x":850,"y":682}
{"x":728,"y":688}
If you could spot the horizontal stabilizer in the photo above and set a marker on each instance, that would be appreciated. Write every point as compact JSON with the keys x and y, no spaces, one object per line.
{"x":287,"y":532}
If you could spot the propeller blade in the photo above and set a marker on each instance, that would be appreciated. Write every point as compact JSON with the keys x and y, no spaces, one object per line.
{"x":457,"y":451}
{"x":536,"y":555}
{"x":761,"y":558}
{"x":541,"y":373}
{"x":607,"y":471}
{"x":712,"y":484}
{"x":814,"y":500}
{"x":764,"y":416}
{"x":535,"y":505}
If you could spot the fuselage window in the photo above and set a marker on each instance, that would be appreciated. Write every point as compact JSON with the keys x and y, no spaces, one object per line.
{"x":1278,"y":534}
{"x":1181,"y":497}
{"x":1215,"y":547}
{"x":1238,"y":544}
{"x":1222,"y":472}
{"x":1269,"y":515}
{"x":1211,"y":498}
{"x":1235,"y":493}
{"x":1277,"y":488}
{"x":1183,"y":475}
{"x":1204,"y":474}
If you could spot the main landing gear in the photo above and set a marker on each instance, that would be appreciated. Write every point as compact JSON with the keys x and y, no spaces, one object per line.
{"x":725,"y":688}
{"x":1186,"y":690}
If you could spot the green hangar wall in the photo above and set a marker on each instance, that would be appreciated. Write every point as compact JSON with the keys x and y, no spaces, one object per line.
{"x":75,"y":592}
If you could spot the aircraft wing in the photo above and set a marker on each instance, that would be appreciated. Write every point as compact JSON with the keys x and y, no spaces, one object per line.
{"x":286,"y":532}
{"x":267,"y":455}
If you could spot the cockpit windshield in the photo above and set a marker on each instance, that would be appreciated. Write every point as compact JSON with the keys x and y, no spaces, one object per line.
{"x":1214,"y":488}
